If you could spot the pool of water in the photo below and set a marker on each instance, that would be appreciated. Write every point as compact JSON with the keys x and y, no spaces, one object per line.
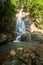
{"x":4,"y":49}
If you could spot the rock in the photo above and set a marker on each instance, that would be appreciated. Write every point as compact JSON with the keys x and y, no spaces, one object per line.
{"x":3,"y":36}
{"x":11,"y":62}
{"x":27,"y":22}
{"x":6,"y":37}
{"x":26,"y":37}
{"x":10,"y":36}
{"x":34,"y":36}
{"x":37,"y":36}
{"x":12,"y":54}
{"x":40,"y":52}
{"x":3,"y":39}
{"x":20,"y":51}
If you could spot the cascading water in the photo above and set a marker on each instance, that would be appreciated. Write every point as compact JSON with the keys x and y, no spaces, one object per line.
{"x":20,"y":26}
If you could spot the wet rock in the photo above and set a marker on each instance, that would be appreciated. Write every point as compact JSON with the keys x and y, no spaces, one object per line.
{"x":37,"y":36}
{"x":34,"y":36}
{"x":26,"y":37}
{"x":28,"y":22}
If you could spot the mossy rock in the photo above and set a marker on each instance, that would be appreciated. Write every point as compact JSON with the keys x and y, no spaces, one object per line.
{"x":34,"y":36}
{"x":3,"y":37}
{"x":10,"y":36}
{"x":26,"y":37}
{"x":37,"y":36}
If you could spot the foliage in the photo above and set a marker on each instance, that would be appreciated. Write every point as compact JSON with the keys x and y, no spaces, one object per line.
{"x":7,"y":11}
{"x":37,"y":10}
{"x":35,"y":7}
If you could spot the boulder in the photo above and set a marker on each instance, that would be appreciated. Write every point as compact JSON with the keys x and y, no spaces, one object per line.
{"x":12,"y":54}
{"x":34,"y":36}
{"x":6,"y":37}
{"x":27,"y":22}
{"x":37,"y":36}
{"x":26,"y":37}
{"x":3,"y":38}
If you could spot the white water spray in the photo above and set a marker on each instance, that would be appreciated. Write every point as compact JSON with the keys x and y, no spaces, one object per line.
{"x":20,"y":26}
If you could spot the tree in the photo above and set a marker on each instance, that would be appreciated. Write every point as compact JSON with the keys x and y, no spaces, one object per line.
{"x":7,"y":11}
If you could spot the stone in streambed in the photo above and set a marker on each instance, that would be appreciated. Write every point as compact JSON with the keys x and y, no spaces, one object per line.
{"x":26,"y":37}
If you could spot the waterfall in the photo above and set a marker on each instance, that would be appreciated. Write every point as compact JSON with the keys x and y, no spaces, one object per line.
{"x":20,"y":26}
